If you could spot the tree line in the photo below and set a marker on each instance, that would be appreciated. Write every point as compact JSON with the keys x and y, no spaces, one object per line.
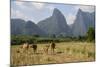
{"x":19,"y":39}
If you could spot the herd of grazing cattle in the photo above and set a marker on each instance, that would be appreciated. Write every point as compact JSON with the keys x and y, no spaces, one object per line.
{"x":34,"y":46}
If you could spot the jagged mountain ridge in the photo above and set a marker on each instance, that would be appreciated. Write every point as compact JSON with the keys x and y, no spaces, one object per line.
{"x":55,"y":24}
{"x":83,"y":21}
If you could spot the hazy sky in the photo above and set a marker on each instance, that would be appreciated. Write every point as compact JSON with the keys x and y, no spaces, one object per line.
{"x":36,"y":11}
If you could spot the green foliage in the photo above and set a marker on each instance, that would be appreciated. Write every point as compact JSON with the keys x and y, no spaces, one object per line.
{"x":82,"y":38}
{"x":91,"y":34}
{"x":19,"y":39}
{"x":36,"y":36}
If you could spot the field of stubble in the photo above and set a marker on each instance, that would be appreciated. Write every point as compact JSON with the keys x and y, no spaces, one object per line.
{"x":65,"y":52}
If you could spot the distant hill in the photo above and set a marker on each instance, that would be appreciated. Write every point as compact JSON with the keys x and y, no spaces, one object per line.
{"x":20,"y":27}
{"x":32,"y":29}
{"x":55,"y":24}
{"x":17,"y":26}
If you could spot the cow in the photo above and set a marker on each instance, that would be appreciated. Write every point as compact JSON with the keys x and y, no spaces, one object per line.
{"x":46,"y":47}
{"x":34,"y":47}
{"x":53,"y":47}
{"x":25,"y":46}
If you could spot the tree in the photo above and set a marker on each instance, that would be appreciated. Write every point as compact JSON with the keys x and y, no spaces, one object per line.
{"x":36,"y":36}
{"x":91,"y":34}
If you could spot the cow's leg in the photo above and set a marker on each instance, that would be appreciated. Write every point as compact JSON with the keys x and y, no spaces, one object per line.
{"x":46,"y":50}
{"x":34,"y":50}
{"x":51,"y":51}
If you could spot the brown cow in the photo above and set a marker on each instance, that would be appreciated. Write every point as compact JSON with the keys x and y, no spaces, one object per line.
{"x":53,"y":47}
{"x":34,"y":47}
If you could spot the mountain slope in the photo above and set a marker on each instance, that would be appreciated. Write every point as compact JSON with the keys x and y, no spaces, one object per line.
{"x":17,"y":26}
{"x":20,"y":27}
{"x":33,"y":29}
{"x":55,"y":24}
{"x":83,"y":21}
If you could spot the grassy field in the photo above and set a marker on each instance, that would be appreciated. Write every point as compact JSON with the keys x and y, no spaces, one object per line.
{"x":65,"y":52}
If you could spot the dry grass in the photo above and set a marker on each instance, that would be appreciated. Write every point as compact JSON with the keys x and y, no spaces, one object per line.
{"x":64,"y":52}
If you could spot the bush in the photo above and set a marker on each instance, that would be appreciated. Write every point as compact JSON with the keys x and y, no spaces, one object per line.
{"x":91,"y":34}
